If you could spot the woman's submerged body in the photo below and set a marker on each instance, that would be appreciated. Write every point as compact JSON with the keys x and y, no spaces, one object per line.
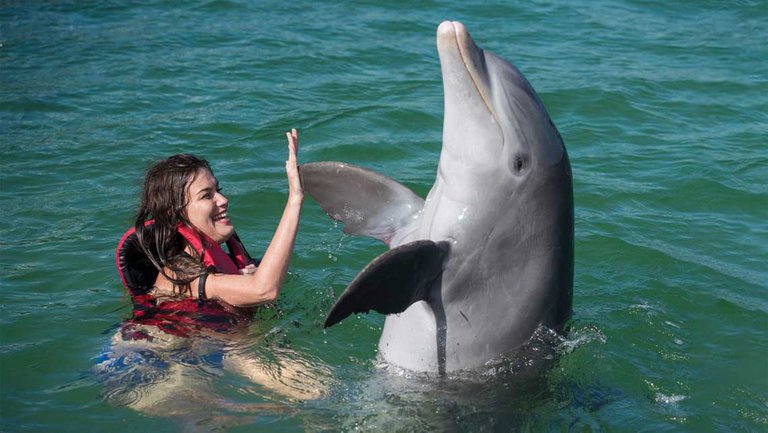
{"x":201,"y":293}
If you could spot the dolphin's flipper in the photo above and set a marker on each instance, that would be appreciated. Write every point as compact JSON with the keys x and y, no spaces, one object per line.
{"x":393,"y":281}
{"x":366,"y":202}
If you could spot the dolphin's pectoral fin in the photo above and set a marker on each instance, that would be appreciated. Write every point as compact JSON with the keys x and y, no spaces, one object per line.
{"x":366,"y":202}
{"x":393,"y":281}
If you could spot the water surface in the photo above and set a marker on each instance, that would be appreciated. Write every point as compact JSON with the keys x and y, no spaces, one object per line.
{"x":663,"y":109}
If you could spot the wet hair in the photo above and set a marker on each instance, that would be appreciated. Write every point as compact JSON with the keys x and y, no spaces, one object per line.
{"x":164,"y":198}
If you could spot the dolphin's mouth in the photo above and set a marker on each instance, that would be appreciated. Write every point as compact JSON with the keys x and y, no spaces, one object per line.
{"x":454,"y":35}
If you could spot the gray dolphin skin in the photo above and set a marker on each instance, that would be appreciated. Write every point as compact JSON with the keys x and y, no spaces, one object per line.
{"x":487,"y":258}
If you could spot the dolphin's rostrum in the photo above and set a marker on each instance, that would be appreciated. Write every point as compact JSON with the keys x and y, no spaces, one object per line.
{"x":487,"y":258}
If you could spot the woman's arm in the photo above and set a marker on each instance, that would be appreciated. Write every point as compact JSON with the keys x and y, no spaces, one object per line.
{"x":264,"y":284}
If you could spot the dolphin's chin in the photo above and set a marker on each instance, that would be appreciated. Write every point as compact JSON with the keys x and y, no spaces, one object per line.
{"x":464,"y":152}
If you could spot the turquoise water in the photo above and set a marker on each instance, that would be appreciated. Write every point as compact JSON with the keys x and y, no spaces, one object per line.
{"x":663,"y":109}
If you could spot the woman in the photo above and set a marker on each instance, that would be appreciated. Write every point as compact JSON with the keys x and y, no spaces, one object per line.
{"x":182,"y":221}
{"x":183,"y":285}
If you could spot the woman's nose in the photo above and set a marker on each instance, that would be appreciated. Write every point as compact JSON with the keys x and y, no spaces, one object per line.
{"x":222,"y":200}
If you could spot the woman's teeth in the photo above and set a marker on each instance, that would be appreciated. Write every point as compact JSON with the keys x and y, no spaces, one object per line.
{"x":220,"y":216}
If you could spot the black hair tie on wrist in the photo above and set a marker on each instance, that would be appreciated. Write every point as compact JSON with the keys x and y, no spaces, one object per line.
{"x":201,"y":288}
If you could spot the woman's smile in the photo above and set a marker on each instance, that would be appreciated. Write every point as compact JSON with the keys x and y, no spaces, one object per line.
{"x":207,"y":207}
{"x":221,"y":216}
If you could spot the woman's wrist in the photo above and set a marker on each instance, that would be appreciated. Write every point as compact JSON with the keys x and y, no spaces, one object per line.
{"x":295,"y":199}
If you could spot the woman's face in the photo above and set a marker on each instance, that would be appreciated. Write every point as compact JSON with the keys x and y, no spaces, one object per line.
{"x":207,"y":207}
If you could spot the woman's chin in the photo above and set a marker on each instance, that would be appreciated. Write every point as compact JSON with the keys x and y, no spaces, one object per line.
{"x":224,"y":232}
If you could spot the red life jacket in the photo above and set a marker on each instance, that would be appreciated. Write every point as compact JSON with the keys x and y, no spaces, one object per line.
{"x":179,"y":316}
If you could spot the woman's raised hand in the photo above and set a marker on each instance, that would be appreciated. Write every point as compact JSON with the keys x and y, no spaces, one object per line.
{"x":295,"y":190}
{"x":259,"y":285}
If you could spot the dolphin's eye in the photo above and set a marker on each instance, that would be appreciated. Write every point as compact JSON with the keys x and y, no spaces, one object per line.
{"x":519,"y":163}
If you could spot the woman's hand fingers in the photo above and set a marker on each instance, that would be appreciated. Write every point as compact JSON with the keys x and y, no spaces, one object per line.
{"x":250,"y":269}
{"x":291,"y":166}
{"x":293,"y":144}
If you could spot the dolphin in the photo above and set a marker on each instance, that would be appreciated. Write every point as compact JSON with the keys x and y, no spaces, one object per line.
{"x":476,"y":268}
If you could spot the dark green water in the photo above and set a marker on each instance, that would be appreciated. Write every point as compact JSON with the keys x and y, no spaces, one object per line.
{"x":663,"y":109}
